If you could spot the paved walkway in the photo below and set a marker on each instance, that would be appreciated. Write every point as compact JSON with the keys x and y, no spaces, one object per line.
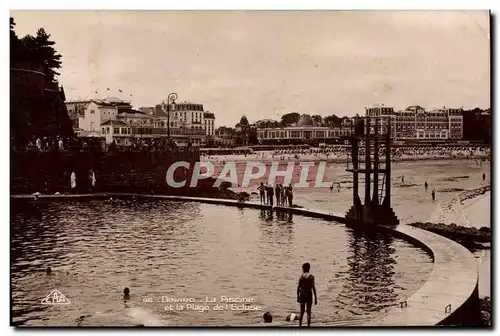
{"x":451,"y":282}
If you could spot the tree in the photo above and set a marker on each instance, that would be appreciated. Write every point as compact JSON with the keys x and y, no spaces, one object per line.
{"x":317,"y":119}
{"x":289,"y":119}
{"x":32,"y":114}
{"x":48,"y":56}
{"x":15,"y":44}
{"x":332,"y":121}
{"x":40,"y":50}
{"x":267,"y":123}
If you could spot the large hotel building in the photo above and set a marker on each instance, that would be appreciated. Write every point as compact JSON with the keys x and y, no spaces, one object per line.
{"x":412,"y":123}
{"x":416,"y":123}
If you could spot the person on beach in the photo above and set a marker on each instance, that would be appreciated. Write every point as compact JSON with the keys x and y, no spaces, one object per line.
{"x":402,"y":179}
{"x":73,"y":181}
{"x":305,"y":291}
{"x":484,"y":176}
{"x":426,"y":185}
{"x":433,"y":195}
{"x":270,"y":195}
{"x":331,"y":187}
{"x":262,"y":191}
{"x":338,"y":187}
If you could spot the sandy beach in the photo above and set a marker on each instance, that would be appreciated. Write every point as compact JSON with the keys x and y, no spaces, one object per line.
{"x":466,"y":209}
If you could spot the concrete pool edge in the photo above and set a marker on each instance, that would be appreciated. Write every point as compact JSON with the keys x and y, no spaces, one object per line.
{"x":448,"y":297}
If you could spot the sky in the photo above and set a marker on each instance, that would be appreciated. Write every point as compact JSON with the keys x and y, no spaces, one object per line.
{"x":263,"y":64}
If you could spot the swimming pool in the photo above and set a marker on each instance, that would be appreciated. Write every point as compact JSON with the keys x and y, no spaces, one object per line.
{"x":165,"y":250}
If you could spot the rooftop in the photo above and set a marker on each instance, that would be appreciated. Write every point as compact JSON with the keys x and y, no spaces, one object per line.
{"x":305,"y":121}
{"x":113,"y":122}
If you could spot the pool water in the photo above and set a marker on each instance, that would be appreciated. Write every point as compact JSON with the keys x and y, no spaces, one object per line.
{"x":192,"y":251}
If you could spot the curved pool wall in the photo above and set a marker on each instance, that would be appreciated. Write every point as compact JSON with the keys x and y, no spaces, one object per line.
{"x":449,"y":297}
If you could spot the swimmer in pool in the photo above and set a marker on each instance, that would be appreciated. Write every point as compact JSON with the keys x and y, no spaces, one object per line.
{"x":268,"y":318}
{"x":126,"y":294}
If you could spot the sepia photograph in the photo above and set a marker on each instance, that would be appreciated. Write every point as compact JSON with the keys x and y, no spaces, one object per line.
{"x":250,"y":168}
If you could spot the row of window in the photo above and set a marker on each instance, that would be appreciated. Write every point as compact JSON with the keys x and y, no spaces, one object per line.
{"x":420,"y":126}
{"x":301,"y":134}
{"x":144,"y":130}
{"x":413,"y":114}
{"x":116,"y":130}
{"x":188,"y":107}
{"x":432,"y":135}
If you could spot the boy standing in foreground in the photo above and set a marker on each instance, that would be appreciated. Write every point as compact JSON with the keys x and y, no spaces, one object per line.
{"x":305,"y":290}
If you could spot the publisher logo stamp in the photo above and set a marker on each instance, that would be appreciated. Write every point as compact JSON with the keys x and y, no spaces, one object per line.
{"x":55,"y":298}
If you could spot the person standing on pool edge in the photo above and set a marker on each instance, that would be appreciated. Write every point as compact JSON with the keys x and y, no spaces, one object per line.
{"x":305,"y":290}
{"x":262,"y":191}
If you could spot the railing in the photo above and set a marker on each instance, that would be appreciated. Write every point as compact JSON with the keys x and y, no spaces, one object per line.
{"x":161,"y":130}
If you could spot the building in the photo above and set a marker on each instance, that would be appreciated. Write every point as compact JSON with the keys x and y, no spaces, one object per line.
{"x":225,"y":137}
{"x":115,"y":120}
{"x":87,"y":115}
{"x":185,"y":115}
{"x":209,"y":123}
{"x":304,"y":131}
{"x":415,"y":122}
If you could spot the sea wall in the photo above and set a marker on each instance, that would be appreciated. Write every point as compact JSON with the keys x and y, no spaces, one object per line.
{"x":122,"y":172}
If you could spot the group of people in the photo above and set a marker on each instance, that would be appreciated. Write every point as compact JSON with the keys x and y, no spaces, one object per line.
{"x":284,"y":195}
{"x":306,"y":296}
{"x":58,"y":143}
{"x":91,"y":181}
{"x":153,"y":145}
{"x":341,"y":152}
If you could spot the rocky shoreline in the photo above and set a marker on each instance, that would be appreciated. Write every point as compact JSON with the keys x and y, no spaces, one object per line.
{"x":472,"y":238}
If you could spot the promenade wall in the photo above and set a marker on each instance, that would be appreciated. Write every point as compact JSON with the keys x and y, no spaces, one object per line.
{"x":119,"y":172}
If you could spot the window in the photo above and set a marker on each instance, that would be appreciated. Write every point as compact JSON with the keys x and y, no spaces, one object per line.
{"x":103,"y":130}
{"x":92,"y":111}
{"x":107,"y":130}
{"x":92,"y":126}
{"x":116,"y":130}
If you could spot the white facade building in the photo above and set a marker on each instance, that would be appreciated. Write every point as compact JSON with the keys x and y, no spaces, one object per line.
{"x":115,"y":120}
{"x":192,"y":116}
{"x":305,"y":131}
